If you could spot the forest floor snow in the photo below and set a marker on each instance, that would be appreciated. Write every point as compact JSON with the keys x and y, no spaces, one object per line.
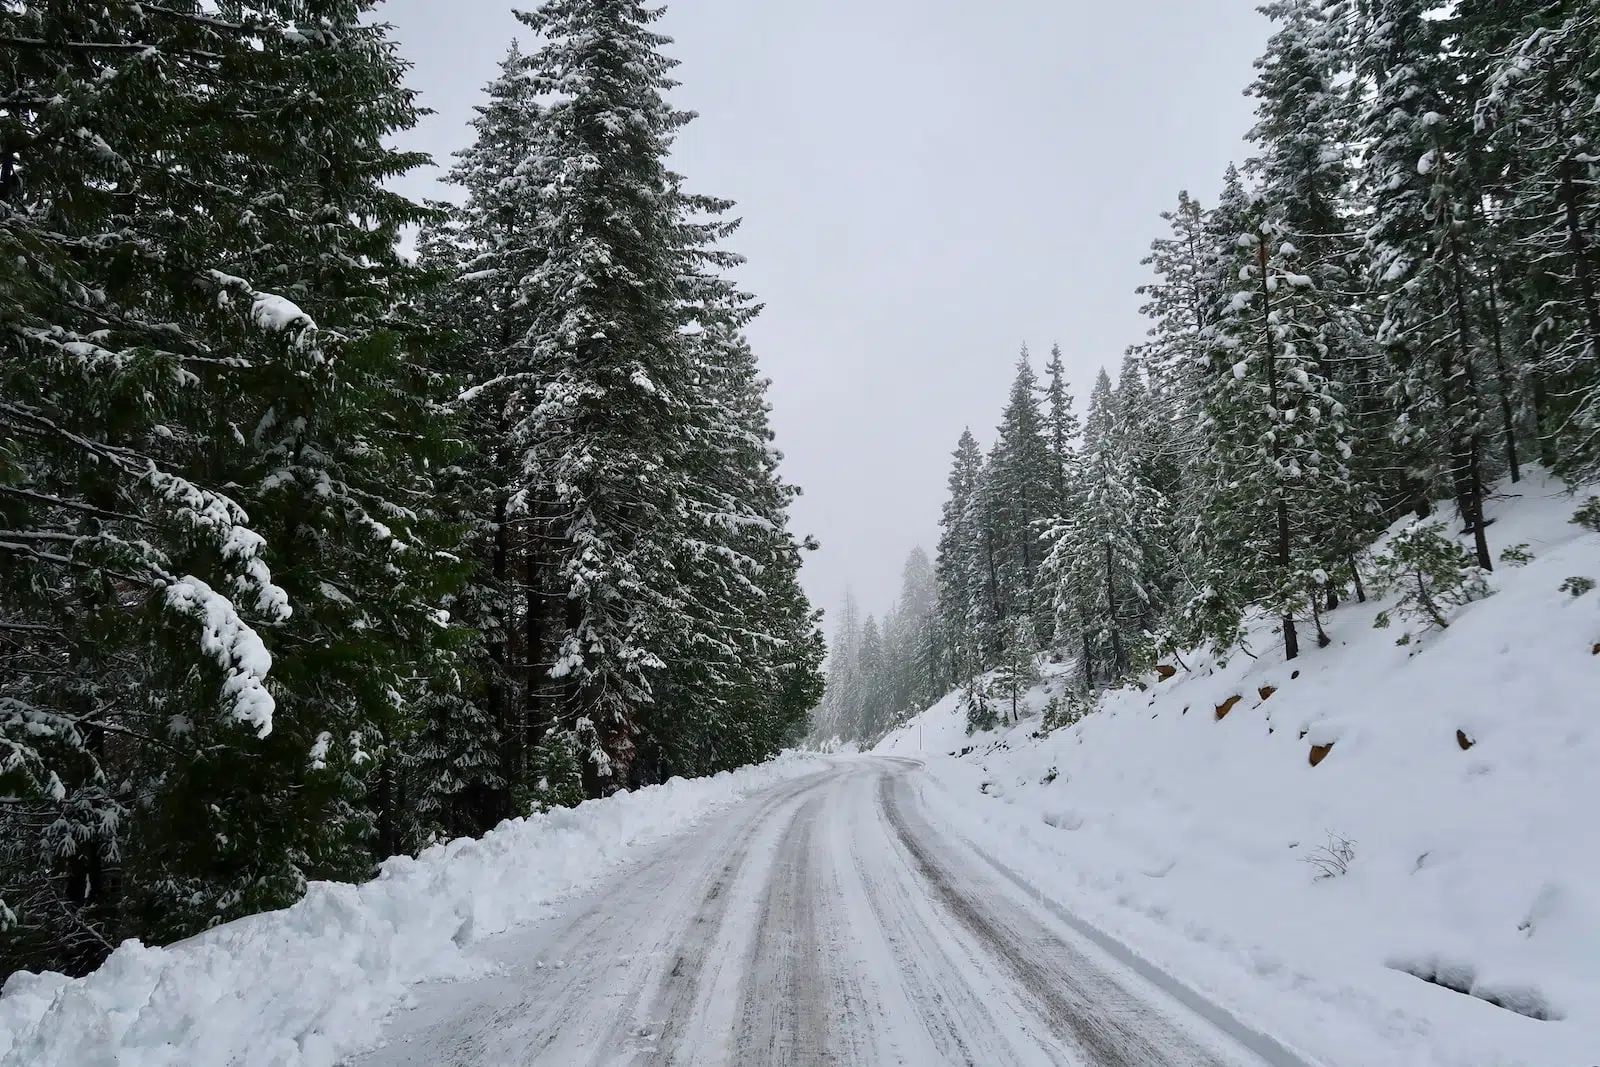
{"x":303,"y":986}
{"x":1464,"y":776}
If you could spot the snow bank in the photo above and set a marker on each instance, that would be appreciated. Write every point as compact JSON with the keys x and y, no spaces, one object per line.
{"x":1464,"y":771}
{"x":303,"y":986}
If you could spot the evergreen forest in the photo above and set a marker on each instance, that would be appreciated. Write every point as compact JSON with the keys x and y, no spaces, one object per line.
{"x":315,"y":550}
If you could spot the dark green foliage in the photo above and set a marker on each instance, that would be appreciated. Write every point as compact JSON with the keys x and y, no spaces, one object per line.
{"x":310,"y":555}
{"x":981,"y":712}
{"x":1431,"y":575}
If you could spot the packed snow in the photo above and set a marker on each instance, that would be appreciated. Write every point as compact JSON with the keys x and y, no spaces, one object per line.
{"x":305,"y":986}
{"x":1428,"y":893}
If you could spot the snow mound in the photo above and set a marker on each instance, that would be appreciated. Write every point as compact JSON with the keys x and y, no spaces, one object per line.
{"x":306,"y":985}
{"x":1457,"y":786}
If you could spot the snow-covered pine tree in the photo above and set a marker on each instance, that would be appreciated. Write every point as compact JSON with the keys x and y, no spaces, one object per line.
{"x":158,"y":259}
{"x":1422,"y":191}
{"x":489,"y":248}
{"x":1098,"y":559}
{"x":1021,"y":486}
{"x":1019,"y":665}
{"x":742,"y":663}
{"x":458,"y":786}
{"x":985,"y":524}
{"x":1181,"y":302}
{"x":1536,"y":110}
{"x":1061,"y":432}
{"x":332,"y":437}
{"x":957,"y":567}
{"x":840,"y":706}
{"x":918,"y":681}
{"x":1277,"y":445}
{"x":872,"y":665}
{"x":1144,"y":436}
{"x":600,"y":436}
{"x":1303,"y":175}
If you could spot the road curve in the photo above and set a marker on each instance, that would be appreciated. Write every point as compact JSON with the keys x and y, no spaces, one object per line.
{"x":824,"y":922}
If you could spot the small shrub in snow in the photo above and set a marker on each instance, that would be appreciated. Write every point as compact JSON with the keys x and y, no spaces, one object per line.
{"x":981,"y":713}
{"x":1588,"y":516}
{"x":1064,"y":710}
{"x":1516,"y":556}
{"x":1332,"y":859}
{"x":1432,"y":575}
{"x":1020,"y":668}
{"x":1577,"y":585}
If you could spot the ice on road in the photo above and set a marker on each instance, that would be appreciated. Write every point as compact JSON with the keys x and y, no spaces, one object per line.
{"x":826,"y":921}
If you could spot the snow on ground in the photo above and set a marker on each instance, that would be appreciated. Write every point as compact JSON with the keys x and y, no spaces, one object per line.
{"x":1189,"y":838}
{"x":303,"y":986}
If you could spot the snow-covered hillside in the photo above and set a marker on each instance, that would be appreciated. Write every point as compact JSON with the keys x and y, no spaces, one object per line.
{"x":304,"y":986}
{"x":1457,"y":782}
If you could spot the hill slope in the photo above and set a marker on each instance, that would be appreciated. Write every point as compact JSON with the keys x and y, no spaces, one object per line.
{"x":1464,"y":773}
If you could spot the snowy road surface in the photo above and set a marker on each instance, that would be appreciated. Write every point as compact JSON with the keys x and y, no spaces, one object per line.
{"x":826,"y":921}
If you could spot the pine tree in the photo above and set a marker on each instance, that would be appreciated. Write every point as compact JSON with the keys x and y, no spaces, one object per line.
{"x":958,"y":567}
{"x":1536,"y":112}
{"x":191,"y":332}
{"x":1422,"y":187}
{"x":1019,"y":667}
{"x":599,"y":434}
{"x":1098,"y":560}
{"x":1305,"y":184}
{"x":1061,"y":431}
{"x":1021,"y":487}
{"x":1278,"y":447}
{"x":841,"y":703}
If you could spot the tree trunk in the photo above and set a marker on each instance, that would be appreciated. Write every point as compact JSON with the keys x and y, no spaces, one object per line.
{"x":1291,"y":639}
{"x":497,"y":698}
{"x":1507,"y":418}
{"x":1119,"y":655}
{"x":1578,"y":244}
{"x":1466,"y":448}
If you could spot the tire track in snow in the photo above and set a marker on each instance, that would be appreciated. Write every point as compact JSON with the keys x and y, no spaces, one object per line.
{"x":681,"y":988}
{"x":1083,"y":1004}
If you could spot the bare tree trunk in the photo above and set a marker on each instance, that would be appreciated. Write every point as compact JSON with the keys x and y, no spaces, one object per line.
{"x":1466,"y":448}
{"x":1291,"y":639}
{"x":1507,"y":418}
{"x":1118,"y":653}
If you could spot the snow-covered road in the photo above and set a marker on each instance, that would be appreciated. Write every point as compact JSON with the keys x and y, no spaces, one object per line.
{"x":825,"y":921}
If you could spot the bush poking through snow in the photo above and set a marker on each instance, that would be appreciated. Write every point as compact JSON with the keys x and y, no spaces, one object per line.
{"x":1065,"y":710}
{"x":1432,"y":575}
{"x":1332,"y":860}
{"x":981,"y":713}
{"x":1516,"y":555}
{"x":1577,"y":585}
{"x":1588,"y":516}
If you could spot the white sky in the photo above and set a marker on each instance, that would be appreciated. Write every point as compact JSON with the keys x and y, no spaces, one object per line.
{"x":926,"y":185}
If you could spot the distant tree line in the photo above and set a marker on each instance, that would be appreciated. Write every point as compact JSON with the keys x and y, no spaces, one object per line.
{"x":311,"y":552}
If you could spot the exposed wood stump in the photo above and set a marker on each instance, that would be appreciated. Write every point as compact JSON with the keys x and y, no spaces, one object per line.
{"x":1165,"y":671}
{"x":1320,"y":753}
{"x":1227,"y":706}
{"x":1463,"y":740}
{"x":1266,"y":691}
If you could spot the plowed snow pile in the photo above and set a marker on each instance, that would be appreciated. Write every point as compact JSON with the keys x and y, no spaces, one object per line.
{"x":1461,"y":796}
{"x":302,"y":986}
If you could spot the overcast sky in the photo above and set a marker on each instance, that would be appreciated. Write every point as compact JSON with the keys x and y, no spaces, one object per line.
{"x":926,"y":185}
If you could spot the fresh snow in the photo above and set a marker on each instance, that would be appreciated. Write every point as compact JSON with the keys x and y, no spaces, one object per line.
{"x":305,"y":986}
{"x":277,"y":313}
{"x":1187,"y":838}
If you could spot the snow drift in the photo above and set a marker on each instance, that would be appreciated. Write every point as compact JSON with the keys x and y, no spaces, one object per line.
{"x":1427,"y":893}
{"x":302,"y":986}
